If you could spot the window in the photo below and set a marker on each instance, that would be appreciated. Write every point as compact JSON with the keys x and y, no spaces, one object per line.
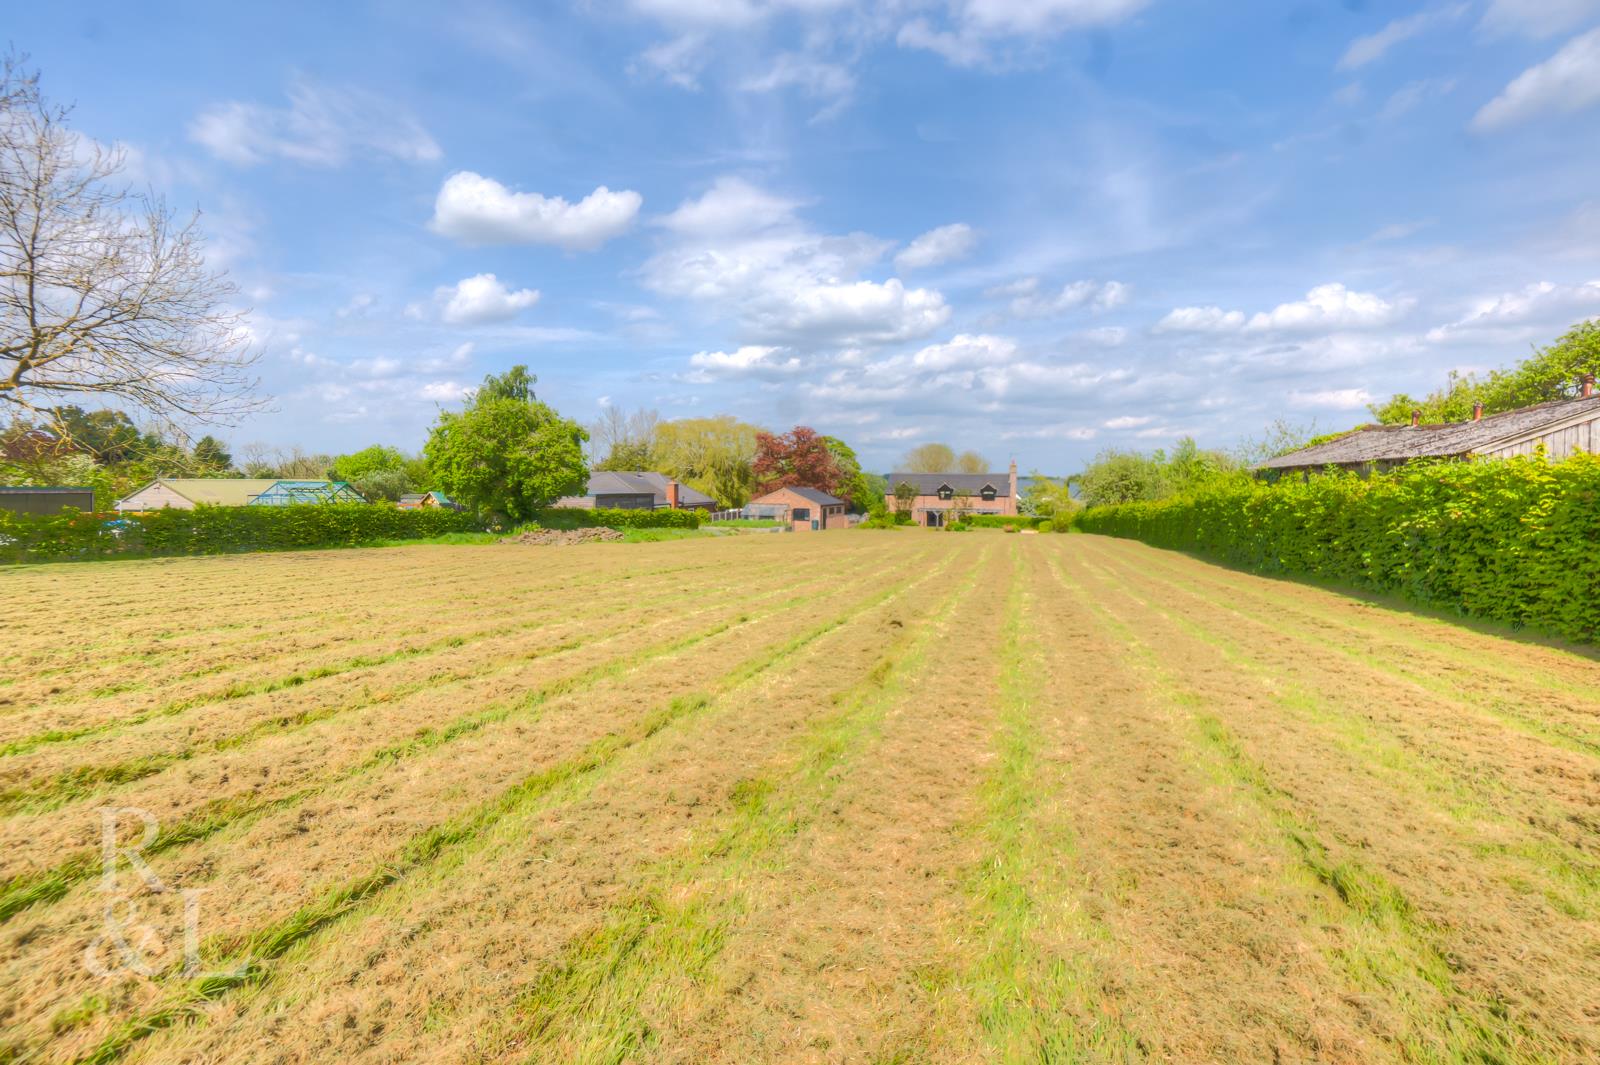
{"x":946,"y":492}
{"x":988,"y":493}
{"x":801,"y":514}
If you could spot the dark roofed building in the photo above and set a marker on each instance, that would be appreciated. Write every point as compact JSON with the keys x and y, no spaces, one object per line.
{"x":637,"y":490}
{"x":45,"y":500}
{"x":938,"y":493}
{"x":1562,"y":426}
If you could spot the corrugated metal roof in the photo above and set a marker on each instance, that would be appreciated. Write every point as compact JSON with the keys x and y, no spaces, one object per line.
{"x":928,"y":484}
{"x":1399,"y":443}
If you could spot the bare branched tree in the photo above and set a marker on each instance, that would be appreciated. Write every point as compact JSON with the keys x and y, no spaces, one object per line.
{"x":103,"y":292}
{"x":620,"y":441}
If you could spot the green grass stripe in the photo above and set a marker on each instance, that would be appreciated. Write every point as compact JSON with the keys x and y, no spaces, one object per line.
{"x":1033,"y":1007}
{"x":252,"y":953}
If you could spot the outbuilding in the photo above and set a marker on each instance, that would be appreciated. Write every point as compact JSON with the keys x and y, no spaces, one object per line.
{"x":803,"y":509}
{"x":45,"y":500}
{"x":186,"y":493}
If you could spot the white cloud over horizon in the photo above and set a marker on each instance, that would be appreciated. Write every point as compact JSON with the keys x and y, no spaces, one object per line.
{"x":477,"y":210}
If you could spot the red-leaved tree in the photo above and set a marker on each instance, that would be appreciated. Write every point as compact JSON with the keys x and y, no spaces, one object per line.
{"x":797,"y":459}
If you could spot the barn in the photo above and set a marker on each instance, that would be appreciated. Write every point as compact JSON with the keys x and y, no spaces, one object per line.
{"x":1562,"y":427}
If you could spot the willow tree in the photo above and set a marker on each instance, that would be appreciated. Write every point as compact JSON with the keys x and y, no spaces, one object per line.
{"x":103,"y":293}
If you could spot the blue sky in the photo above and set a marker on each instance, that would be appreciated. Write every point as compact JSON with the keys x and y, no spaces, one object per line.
{"x":1036,"y":229}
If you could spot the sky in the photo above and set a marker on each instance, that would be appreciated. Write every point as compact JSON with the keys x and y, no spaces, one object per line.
{"x":1033,"y":228}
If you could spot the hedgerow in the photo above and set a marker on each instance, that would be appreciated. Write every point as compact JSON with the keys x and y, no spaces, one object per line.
{"x":1510,"y":540}
{"x":1001,"y":521}
{"x":208,"y":530}
{"x":616,"y":518}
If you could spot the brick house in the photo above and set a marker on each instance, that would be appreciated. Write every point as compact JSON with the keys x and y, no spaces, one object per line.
{"x":805,"y":509}
{"x":937,"y":494}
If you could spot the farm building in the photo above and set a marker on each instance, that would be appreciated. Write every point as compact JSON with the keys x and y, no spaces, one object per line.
{"x":425,"y":500}
{"x":804,"y":509}
{"x":1561,"y":427}
{"x":637,"y":490}
{"x":45,"y":500}
{"x":186,"y":493}
{"x":936,"y":494}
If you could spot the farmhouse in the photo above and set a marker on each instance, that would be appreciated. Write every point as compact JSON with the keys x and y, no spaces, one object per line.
{"x":637,"y":490}
{"x":804,"y":509}
{"x":935,"y":495}
{"x":186,"y":493}
{"x":1562,"y":427}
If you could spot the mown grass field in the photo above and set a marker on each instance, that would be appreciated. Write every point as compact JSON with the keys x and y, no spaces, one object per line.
{"x":898,"y":797}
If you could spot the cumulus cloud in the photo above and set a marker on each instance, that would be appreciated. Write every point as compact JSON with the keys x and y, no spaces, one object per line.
{"x":749,"y":361}
{"x":321,"y":126}
{"x":1129,"y":421}
{"x":1524,"y":304}
{"x":743,"y":252}
{"x":482,"y":298}
{"x":1201,"y":320}
{"x":1330,"y":306}
{"x":1568,"y":81}
{"x":1331,"y":399}
{"x":942,"y":245}
{"x":1369,"y":49}
{"x":473,"y":209}
{"x":1537,"y":18}
{"x":1027,"y":301}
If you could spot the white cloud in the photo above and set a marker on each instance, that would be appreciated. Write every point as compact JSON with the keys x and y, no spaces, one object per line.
{"x":1331,"y":399}
{"x":321,"y":126}
{"x":1051,"y":432}
{"x":812,"y":76}
{"x":743,"y":252}
{"x":1537,"y":18}
{"x":1028,"y":302}
{"x":723,"y":13}
{"x":748,"y":361}
{"x":1568,"y":81}
{"x":677,"y":60}
{"x":966,"y":351}
{"x":482,"y":298}
{"x":1329,"y":306}
{"x":474,"y":209}
{"x":1201,"y":320}
{"x":445,"y":391}
{"x":1369,"y":49}
{"x":942,"y":245}
{"x":732,"y":206}
{"x":1107,"y":336}
{"x":1524,"y":304}
{"x":1128,"y":421}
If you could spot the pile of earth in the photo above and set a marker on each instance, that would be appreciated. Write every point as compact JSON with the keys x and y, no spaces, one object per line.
{"x":558,"y":537}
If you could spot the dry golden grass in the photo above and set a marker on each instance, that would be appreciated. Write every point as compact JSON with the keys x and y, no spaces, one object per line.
{"x":895,"y":797}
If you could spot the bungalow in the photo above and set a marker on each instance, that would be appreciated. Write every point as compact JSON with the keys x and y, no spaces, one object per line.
{"x":1561,"y":427}
{"x":186,"y":493}
{"x":804,"y":509}
{"x":935,"y":495}
{"x":637,"y":490}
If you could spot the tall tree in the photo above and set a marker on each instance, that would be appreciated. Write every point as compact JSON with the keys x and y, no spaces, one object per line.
{"x":969,"y":462}
{"x":102,"y":292}
{"x":516,"y":383}
{"x":211,"y":455}
{"x":929,"y":458}
{"x":624,"y":441}
{"x":712,"y":455}
{"x":864,"y":491}
{"x":507,"y":457}
{"x":799,"y":458}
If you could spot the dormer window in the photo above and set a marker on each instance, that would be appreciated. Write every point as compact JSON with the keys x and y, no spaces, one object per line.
{"x":987,"y":493}
{"x":946,"y":492}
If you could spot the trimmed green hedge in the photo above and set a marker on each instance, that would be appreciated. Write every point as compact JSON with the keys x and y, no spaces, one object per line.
{"x":1512,"y":541}
{"x":1000,"y":521}
{"x":615,"y":518}
{"x":207,"y":530}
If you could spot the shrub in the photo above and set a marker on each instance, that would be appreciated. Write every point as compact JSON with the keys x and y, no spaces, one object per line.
{"x":616,"y":518}
{"x":216,"y":530}
{"x":1508,"y":540}
{"x":1004,"y":521}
